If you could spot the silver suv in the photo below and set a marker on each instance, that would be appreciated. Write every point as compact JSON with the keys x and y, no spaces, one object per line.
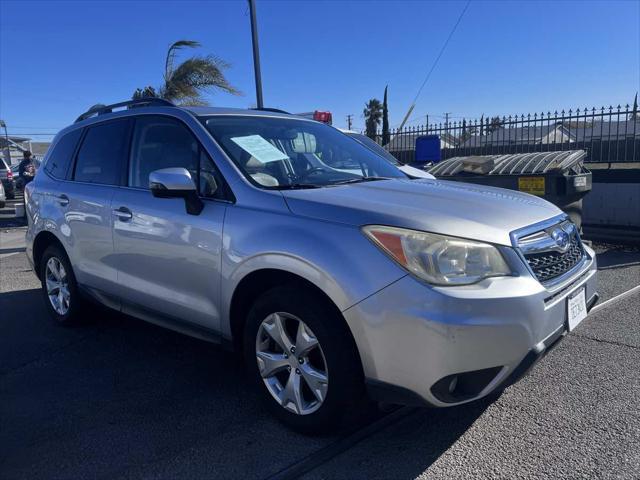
{"x":330,"y":270}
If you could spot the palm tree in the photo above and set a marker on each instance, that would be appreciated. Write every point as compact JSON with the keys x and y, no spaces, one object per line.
{"x":495,"y":124}
{"x":386,"y":135}
{"x":372,"y":116}
{"x":186,"y":82}
{"x":634,"y":112}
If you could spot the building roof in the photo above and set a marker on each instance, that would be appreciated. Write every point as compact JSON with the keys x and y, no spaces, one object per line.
{"x":13,"y":139}
{"x":606,"y":130}
{"x":505,"y":136}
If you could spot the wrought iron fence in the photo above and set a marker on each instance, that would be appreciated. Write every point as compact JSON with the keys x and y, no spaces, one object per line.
{"x":609,"y":135}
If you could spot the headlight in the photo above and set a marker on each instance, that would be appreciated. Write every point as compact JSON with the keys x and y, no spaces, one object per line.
{"x":438,"y":259}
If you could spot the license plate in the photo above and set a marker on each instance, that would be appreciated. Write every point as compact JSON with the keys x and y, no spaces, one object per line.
{"x":532,"y":185}
{"x":576,"y":309}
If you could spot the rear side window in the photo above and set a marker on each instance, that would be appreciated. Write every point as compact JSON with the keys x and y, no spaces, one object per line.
{"x":102,"y":153}
{"x":60,"y":157}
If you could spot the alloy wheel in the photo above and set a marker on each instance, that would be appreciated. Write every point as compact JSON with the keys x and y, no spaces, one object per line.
{"x":57,"y":286}
{"x":291,"y":363}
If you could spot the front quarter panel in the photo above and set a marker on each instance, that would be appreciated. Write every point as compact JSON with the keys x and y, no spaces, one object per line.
{"x":336,"y":258}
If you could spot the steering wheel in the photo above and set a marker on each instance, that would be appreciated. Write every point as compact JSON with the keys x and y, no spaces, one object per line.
{"x":313,"y":171}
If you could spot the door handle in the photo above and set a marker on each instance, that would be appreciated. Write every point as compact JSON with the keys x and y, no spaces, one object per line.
{"x":63,"y":200}
{"x":123,"y":213}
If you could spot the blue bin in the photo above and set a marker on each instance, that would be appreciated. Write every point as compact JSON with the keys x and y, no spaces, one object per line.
{"x":428,"y":149}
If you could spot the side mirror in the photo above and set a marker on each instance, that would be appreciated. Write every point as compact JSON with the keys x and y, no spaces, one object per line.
{"x":176,"y":183}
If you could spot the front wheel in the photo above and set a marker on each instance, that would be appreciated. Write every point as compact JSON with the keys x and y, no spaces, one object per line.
{"x":302,"y":358}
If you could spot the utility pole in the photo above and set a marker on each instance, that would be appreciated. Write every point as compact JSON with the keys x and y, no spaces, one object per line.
{"x":446,"y":119}
{"x":7,"y":151}
{"x":349,"y":119}
{"x":256,"y":53}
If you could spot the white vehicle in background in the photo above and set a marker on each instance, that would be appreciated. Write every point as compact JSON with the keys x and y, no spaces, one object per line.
{"x":383,"y":152}
{"x":326,"y":117}
{"x":3,"y":197}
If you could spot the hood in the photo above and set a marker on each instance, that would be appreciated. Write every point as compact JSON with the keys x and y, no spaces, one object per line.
{"x":475,"y":212}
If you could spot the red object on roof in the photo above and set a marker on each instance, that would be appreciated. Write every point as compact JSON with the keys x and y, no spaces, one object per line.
{"x":324,"y":117}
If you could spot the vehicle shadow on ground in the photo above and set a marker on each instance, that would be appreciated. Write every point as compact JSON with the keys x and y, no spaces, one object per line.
{"x":406,"y":449}
{"x":618,"y":257}
{"x":125,"y":398}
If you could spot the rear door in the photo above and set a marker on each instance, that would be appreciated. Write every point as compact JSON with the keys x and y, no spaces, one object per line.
{"x":168,"y":261}
{"x":86,"y":202}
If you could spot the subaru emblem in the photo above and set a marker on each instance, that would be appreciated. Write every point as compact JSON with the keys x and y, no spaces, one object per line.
{"x":561,"y":238}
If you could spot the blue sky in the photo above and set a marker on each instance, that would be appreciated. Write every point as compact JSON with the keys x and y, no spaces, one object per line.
{"x":59,"y":58}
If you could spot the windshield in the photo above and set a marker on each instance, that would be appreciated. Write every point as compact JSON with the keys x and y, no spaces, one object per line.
{"x":375,"y":146}
{"x":285,"y":153}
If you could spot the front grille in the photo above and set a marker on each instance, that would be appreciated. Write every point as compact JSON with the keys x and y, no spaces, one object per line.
{"x":551,"y":264}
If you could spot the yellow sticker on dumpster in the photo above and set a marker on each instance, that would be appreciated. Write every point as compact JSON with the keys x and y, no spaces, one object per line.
{"x":532,"y":185}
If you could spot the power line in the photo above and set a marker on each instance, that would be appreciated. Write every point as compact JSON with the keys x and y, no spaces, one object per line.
{"x":37,"y":128}
{"x":413,"y":104}
{"x":34,"y":134}
{"x":435,"y":63}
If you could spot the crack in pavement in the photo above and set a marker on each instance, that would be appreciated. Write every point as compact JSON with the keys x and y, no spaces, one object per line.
{"x":610,"y":342}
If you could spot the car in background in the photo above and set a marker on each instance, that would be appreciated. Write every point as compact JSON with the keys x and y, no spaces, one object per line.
{"x":6,"y":177}
{"x":412,"y":172}
{"x":3,"y":198}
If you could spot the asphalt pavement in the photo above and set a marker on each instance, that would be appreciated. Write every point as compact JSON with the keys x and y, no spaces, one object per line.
{"x":119,"y":398}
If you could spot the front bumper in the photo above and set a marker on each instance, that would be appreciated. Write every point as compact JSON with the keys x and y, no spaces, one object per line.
{"x":411,"y":336}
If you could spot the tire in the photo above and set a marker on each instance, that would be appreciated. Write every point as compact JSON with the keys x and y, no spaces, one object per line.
{"x":70,"y":312}
{"x":337,"y":353}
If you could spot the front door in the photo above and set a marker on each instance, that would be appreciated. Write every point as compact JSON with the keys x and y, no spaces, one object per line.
{"x":168,"y":262}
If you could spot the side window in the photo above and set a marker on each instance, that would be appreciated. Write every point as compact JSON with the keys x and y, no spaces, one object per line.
{"x":102,"y":153}
{"x":60,"y":158}
{"x":163,"y":142}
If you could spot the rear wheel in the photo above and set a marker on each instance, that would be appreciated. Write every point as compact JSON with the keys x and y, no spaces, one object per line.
{"x":59,"y":286}
{"x":302,"y":358}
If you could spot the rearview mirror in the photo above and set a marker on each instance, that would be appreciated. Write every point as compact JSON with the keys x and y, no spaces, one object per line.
{"x":176,"y":183}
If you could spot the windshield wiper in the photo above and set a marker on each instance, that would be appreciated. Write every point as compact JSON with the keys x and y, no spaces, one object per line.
{"x":297,"y":186}
{"x":358,"y":180}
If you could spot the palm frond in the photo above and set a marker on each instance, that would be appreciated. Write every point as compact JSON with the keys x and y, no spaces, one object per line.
{"x":171,"y":54}
{"x":195,"y":75}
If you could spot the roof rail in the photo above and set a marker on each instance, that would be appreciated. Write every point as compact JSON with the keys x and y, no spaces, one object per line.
{"x":268,"y":109}
{"x":129,"y":104}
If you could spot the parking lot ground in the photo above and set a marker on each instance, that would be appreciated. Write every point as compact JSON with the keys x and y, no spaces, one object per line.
{"x":8,"y":213}
{"x":575,"y":416}
{"x":119,"y":398}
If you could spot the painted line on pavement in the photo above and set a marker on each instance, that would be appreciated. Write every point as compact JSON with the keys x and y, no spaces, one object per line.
{"x":617,"y":298}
